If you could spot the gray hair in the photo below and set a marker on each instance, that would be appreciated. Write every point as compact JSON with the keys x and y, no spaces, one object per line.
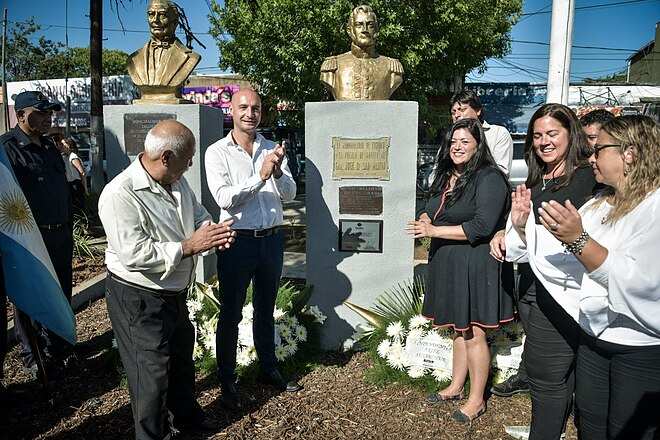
{"x":155,"y":144}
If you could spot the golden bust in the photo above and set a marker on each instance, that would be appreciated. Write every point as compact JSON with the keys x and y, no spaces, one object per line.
{"x":361,"y":74}
{"x":161,"y":67}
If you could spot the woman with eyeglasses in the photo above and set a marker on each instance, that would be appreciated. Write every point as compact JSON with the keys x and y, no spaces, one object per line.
{"x":469,"y":201}
{"x":557,"y":151}
{"x":605,"y":255}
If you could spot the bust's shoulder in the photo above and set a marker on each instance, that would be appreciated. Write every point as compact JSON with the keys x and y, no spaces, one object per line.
{"x":329,"y":64}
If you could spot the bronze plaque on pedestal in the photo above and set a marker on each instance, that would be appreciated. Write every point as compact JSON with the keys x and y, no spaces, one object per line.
{"x":362,"y":200}
{"x":136,"y":127}
{"x":361,"y":158}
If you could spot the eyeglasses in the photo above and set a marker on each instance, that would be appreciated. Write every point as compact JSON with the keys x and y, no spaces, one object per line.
{"x":597,"y":148}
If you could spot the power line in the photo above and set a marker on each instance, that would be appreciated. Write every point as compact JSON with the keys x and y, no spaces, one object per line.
{"x":598,"y":6}
{"x":541,"y":43}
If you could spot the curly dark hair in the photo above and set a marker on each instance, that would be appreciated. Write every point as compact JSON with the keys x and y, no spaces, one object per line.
{"x":598,"y":116}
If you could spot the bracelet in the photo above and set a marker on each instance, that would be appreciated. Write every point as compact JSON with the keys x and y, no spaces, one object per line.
{"x":578,"y":245}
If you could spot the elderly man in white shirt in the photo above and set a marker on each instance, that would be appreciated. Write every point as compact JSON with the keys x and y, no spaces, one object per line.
{"x":249,"y":178}
{"x":466,"y":104}
{"x":155,"y":227}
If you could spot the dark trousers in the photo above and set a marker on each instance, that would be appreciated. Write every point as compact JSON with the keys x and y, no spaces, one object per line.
{"x":155,"y":339}
{"x":77,"y":196}
{"x":59,"y":244}
{"x":249,"y":259}
{"x":617,"y":391}
{"x":525,"y":300}
{"x":550,"y":352}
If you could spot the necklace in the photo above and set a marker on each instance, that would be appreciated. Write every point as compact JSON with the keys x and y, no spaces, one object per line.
{"x":546,"y":182}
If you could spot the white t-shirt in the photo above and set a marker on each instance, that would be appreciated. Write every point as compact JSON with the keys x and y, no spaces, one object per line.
{"x":72,"y":173}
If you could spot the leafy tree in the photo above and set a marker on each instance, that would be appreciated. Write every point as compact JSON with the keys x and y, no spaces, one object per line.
{"x":280,"y":44}
{"x":46,"y":59}
{"x":25,"y":58}
{"x":77,"y":61}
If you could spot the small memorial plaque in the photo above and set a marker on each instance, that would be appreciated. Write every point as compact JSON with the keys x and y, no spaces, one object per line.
{"x":361,"y":236}
{"x":361,"y":158}
{"x":136,"y":127}
{"x":430,"y":352}
{"x":362,"y":200}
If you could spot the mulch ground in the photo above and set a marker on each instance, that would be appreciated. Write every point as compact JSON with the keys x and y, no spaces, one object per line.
{"x":336,"y":403}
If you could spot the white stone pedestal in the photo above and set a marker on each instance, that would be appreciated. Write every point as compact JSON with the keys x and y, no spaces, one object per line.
{"x":356,"y":276}
{"x":126,"y":123}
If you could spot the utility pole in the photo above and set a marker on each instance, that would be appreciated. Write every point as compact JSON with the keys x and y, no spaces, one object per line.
{"x":561,"y":39}
{"x":96,"y":105}
{"x":5,"y":98}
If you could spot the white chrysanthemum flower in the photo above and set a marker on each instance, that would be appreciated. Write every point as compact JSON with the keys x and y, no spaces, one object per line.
{"x":281,"y":353}
{"x":433,"y":337}
{"x":416,"y":334}
{"x":194,"y":307}
{"x":301,"y":333}
{"x":395,"y":330}
{"x":245,"y":334}
{"x":347,"y":345}
{"x":417,"y":321}
{"x":416,"y":371}
{"x":384,"y":348}
{"x":291,"y":348}
{"x":248,"y":311}
{"x":198,"y":351}
{"x":244,"y":357}
{"x":396,"y":357}
{"x":278,"y":313}
{"x":441,"y":374}
{"x":285,"y":331}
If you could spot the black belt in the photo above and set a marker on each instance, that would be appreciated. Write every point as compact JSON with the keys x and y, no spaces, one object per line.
{"x":156,"y":292}
{"x":257,"y":233}
{"x":52,"y":227}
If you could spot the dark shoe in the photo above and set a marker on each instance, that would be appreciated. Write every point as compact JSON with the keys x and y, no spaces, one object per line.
{"x":461,"y":417}
{"x":438,"y":398}
{"x":275,"y":379}
{"x":511,"y":386}
{"x":198,"y":423}
{"x":230,"y":397}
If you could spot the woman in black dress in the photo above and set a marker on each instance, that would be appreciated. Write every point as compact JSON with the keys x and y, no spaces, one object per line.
{"x":468,"y":204}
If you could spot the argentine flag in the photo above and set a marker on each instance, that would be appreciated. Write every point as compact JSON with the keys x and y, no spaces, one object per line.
{"x":30,"y":279}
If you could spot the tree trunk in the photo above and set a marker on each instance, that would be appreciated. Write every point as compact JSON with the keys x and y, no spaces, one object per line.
{"x":96,"y":107}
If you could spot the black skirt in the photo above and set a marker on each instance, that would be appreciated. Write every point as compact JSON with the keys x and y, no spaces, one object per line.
{"x":466,"y":286}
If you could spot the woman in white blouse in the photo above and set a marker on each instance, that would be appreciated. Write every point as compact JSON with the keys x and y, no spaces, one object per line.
{"x":607,"y":255}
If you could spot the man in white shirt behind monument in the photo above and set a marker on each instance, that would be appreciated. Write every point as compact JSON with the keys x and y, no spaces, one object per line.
{"x":466,"y":104}
{"x":155,"y":227}
{"x":249,"y":178}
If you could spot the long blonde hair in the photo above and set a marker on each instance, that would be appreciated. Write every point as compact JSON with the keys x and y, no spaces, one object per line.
{"x":642,"y":176}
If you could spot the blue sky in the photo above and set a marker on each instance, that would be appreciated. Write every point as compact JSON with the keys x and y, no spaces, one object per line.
{"x":626,"y":26}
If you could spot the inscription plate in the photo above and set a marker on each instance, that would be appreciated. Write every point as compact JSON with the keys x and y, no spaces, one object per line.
{"x":360,"y":158}
{"x":364,"y":200}
{"x":361,"y":236}
{"x":136,"y":127}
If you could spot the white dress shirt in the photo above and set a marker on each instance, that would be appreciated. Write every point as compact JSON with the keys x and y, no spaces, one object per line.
{"x":235,"y":182}
{"x":618,"y":302}
{"x":500,"y":144}
{"x":146,"y":226}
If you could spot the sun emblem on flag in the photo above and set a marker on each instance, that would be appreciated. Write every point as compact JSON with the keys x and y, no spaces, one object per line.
{"x":15,"y":214}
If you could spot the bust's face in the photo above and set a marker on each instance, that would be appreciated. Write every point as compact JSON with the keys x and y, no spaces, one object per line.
{"x":162,"y":21}
{"x":364,"y":29}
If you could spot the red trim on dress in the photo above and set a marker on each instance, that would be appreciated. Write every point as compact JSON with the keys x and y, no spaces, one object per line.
{"x":479,"y":324}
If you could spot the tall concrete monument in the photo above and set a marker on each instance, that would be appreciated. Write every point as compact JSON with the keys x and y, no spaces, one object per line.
{"x":361,"y":74}
{"x":360,"y":181}
{"x":159,"y":70}
{"x":161,"y":67}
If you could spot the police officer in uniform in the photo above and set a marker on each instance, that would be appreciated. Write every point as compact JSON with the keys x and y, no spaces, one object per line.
{"x":40,"y":172}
